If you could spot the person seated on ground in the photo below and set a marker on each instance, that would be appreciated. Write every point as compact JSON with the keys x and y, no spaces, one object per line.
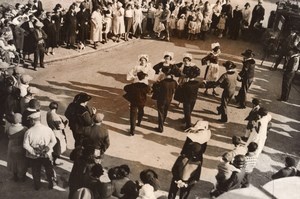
{"x":151,"y":184}
{"x":225,"y":168}
{"x":123,"y":187}
{"x":289,"y":169}
{"x":239,"y":146}
{"x":250,"y":163}
{"x":235,"y":180}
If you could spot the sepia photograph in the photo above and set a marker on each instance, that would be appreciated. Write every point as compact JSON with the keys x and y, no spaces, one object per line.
{"x":149,"y":99}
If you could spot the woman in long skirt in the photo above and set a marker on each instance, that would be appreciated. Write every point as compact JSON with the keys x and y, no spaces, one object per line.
{"x":118,"y":21}
{"x":16,"y":160}
{"x":96,"y":24}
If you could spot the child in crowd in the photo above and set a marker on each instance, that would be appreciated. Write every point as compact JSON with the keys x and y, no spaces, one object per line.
{"x":250,"y":163}
{"x":221,"y":24}
{"x":180,"y":25}
{"x":150,"y":184}
{"x":192,"y":29}
{"x":225,"y":168}
{"x":172,"y":25}
{"x":205,"y":26}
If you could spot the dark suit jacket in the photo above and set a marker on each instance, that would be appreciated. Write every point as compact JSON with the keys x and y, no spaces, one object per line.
{"x":98,"y":137}
{"x":136,"y":93}
{"x":167,"y":89}
{"x":247,"y":70}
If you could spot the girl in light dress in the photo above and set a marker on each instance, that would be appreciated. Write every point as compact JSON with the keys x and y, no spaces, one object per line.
{"x":212,"y":66}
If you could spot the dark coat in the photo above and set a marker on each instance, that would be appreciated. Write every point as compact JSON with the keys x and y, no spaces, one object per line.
{"x":39,"y":9}
{"x":84,"y":120}
{"x":136,"y":93}
{"x":29,"y":44}
{"x":228,"y":82}
{"x":258,"y":14}
{"x":38,"y":39}
{"x":227,"y":8}
{"x":248,"y":69}
{"x":234,"y":182}
{"x":83,"y":21}
{"x":166,"y":91}
{"x":178,"y":169}
{"x":50,"y":30}
{"x":98,"y":137}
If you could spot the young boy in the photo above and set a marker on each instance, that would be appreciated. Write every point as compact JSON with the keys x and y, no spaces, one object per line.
{"x":250,"y":163}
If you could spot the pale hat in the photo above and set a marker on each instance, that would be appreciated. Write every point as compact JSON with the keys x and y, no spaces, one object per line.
{"x":182,"y":15}
{"x":169,"y":54}
{"x":214,"y":45}
{"x":35,"y":115}
{"x":119,"y":4}
{"x":145,"y":56}
{"x":188,"y":55}
{"x":25,"y":79}
{"x":19,"y":70}
{"x":199,"y":132}
{"x":32,"y":90}
{"x":98,"y":118}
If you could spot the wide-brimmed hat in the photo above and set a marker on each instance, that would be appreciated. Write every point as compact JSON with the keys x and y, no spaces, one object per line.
{"x":229,"y":65}
{"x":145,"y":56}
{"x":169,"y":54}
{"x":35,"y":115}
{"x":248,"y":53}
{"x":84,"y":97}
{"x":25,"y":79}
{"x":188,"y":55}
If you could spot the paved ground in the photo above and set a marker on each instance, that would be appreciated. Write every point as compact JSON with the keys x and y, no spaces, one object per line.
{"x":102,"y":74}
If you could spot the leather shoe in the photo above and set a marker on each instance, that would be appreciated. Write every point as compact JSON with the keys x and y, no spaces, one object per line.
{"x":159,"y":130}
{"x":241,"y":107}
{"x":222,"y":120}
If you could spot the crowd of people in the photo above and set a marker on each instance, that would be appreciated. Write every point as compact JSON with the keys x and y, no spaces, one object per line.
{"x":29,"y":29}
{"x":95,"y":22}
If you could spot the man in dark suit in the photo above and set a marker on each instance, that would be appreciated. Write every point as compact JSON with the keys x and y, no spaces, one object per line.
{"x":166,"y":91}
{"x":291,"y":68}
{"x":136,"y":94}
{"x":258,"y":14}
{"x":190,"y":92}
{"x":246,"y":76}
{"x":227,"y":81}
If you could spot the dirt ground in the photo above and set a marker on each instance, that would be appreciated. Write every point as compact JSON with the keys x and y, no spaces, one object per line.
{"x":102,"y":75}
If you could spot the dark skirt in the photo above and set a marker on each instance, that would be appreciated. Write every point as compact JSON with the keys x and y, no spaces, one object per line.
{"x":128,"y":24}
